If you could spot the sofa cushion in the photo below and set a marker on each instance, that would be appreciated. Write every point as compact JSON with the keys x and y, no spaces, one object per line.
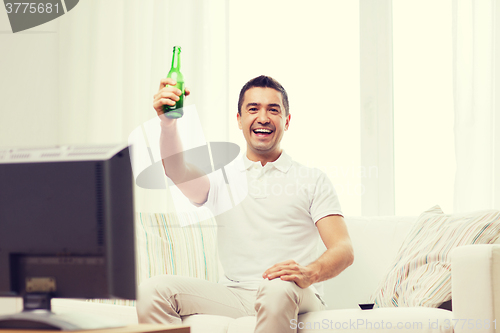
{"x":421,"y":273}
{"x":418,"y":319}
{"x":408,"y":320}
{"x":167,"y":245}
{"x":376,"y":241}
{"x":202,"y":323}
{"x":182,"y":243}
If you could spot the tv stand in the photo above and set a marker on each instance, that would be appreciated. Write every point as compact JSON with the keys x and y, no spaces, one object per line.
{"x":37,"y":315}
{"x":136,"y":328}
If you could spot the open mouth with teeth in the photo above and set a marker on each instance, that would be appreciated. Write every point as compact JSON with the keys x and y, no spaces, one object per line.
{"x":262,"y":132}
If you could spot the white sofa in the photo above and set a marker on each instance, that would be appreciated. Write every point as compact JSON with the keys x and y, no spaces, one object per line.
{"x":376,"y":240}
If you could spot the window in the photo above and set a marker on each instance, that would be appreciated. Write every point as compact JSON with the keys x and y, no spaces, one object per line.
{"x":424,"y":156}
{"x":313,"y":51}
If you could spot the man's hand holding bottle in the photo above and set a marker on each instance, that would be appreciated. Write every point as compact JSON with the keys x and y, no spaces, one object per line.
{"x":167,"y":94}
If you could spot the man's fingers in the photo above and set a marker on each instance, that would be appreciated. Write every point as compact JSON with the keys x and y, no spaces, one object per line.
{"x":289,"y":265}
{"x":171,"y":82}
{"x":287,"y":262}
{"x":298,"y":280}
{"x":165,"y":81}
{"x":282,"y":272}
{"x":168,"y":91}
{"x":167,"y":101}
{"x":158,"y":103}
{"x":172,"y":94}
{"x":293,"y":278}
{"x":277,"y":267}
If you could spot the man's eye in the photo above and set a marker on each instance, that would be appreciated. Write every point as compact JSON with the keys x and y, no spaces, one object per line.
{"x":274,"y":111}
{"x":252,"y":109}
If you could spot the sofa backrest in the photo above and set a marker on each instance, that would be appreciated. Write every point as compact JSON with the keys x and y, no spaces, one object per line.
{"x":176,"y":244}
{"x":179,"y":244}
{"x":376,"y":241}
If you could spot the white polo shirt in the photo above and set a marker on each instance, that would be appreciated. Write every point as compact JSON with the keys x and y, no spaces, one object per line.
{"x":267,"y":215}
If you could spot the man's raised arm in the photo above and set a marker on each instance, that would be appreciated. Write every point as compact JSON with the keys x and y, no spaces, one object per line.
{"x":192,"y":181}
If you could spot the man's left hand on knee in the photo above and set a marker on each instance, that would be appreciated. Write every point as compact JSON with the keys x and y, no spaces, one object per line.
{"x":290,"y":270}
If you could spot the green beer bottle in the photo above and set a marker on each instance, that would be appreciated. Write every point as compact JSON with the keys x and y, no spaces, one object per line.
{"x":176,"y":111}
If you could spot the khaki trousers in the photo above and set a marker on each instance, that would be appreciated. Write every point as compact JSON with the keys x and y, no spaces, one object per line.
{"x":165,"y":298}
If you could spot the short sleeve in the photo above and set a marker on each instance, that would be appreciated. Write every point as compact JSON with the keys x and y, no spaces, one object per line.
{"x":218,"y":200}
{"x":324,"y":199}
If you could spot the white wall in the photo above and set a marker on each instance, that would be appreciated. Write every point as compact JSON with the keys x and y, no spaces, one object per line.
{"x":28,"y":96}
{"x":28,"y":85}
{"x":324,"y":92}
{"x":313,"y":51}
{"x":424,"y":148}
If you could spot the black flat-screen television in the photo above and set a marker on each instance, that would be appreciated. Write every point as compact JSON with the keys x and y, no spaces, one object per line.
{"x":66,"y":229}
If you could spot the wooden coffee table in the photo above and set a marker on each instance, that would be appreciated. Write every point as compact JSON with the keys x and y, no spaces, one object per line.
{"x":138,"y":328}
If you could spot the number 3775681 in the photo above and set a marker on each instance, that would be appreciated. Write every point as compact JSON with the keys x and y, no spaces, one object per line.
{"x":27,"y":7}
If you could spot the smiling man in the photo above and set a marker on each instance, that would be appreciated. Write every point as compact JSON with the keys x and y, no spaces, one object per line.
{"x":263,"y":118}
{"x":268,"y":240}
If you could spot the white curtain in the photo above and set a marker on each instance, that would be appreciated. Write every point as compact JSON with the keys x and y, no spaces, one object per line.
{"x":477,"y":138}
{"x":112,"y":55}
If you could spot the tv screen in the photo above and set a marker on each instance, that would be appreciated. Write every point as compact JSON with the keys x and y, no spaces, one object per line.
{"x":67,"y":222}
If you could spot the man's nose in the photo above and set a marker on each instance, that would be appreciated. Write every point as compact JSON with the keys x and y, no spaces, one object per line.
{"x":263,"y":118}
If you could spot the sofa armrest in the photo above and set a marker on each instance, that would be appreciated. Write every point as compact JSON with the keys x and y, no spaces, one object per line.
{"x":475,"y":276}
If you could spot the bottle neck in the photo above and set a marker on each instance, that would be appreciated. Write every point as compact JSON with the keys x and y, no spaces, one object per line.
{"x":176,"y":59}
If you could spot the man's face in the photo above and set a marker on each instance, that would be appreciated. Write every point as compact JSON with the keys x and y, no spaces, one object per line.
{"x":263,"y":121}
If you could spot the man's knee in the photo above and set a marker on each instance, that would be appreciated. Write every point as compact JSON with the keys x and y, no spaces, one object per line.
{"x":277,"y":292}
{"x":155,"y":290}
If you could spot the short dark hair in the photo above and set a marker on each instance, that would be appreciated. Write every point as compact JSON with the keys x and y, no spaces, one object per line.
{"x":264,"y":82}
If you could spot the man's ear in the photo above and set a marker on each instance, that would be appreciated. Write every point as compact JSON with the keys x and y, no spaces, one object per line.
{"x":287,"y":121}
{"x":238,"y":117}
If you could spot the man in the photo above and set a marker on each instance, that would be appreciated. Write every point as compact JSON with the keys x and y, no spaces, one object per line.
{"x":267,"y":239}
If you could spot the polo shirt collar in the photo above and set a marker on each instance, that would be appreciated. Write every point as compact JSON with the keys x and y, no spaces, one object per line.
{"x":283,"y":163}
